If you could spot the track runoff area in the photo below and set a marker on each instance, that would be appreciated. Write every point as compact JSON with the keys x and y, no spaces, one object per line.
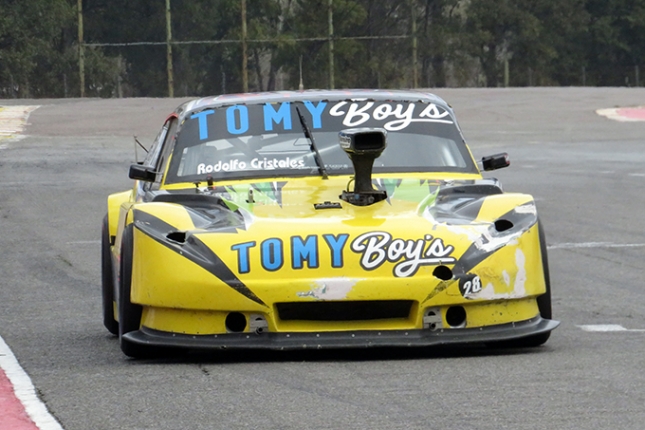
{"x":20,"y":406}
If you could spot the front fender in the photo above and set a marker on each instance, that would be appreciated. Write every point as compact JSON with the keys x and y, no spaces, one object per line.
{"x":114,"y":203}
{"x":496,"y":206}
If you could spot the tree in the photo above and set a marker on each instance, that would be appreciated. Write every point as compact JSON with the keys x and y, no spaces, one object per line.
{"x":616,"y":40}
{"x":460,"y":42}
{"x":37,"y":58}
{"x":439,"y":35}
{"x":492,"y":29}
{"x":123,"y":21}
{"x":552,"y":53}
{"x":541,"y":40}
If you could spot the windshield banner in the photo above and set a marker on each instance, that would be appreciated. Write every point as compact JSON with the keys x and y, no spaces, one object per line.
{"x":240,"y":120}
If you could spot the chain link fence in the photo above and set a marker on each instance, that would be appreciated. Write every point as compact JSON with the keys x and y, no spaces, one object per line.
{"x":159,"y":52}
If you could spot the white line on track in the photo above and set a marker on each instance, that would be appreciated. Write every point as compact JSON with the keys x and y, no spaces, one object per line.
{"x":607,"y":328}
{"x":25,"y":391}
{"x":83,"y":242}
{"x":572,"y":245}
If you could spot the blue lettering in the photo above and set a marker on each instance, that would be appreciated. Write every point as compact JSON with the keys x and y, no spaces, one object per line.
{"x":283,"y":114}
{"x":272,"y":257}
{"x":203,"y":125}
{"x":243,"y":265}
{"x":243,"y":116}
{"x":306,"y":250}
{"x":316,"y":112}
{"x":336,"y":245}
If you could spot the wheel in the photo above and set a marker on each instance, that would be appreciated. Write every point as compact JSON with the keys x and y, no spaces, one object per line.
{"x":107,"y":281}
{"x":129,"y":313}
{"x":543,"y":302}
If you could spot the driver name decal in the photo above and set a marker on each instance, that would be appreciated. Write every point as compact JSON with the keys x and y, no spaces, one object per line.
{"x":373,"y":248}
{"x":256,"y":164}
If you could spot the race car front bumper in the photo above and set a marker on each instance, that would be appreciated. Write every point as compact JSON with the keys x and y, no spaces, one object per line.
{"x":344,"y":339}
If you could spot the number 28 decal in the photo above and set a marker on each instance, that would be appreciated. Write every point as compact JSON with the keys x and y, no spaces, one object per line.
{"x":469,"y":285}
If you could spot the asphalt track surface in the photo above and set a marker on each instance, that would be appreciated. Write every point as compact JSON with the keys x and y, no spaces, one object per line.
{"x":586,"y":172}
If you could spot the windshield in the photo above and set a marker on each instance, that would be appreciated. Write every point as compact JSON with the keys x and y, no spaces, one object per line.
{"x":266,"y":140}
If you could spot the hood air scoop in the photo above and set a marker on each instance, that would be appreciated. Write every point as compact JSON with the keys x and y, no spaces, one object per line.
{"x":363,"y":146}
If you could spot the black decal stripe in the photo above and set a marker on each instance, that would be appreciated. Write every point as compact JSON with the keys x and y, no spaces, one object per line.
{"x":194,"y":250}
{"x":144,"y":221}
{"x":439,"y":288}
{"x":471,"y":258}
{"x":207,"y":211}
{"x":217,"y":267}
{"x":473,"y":255}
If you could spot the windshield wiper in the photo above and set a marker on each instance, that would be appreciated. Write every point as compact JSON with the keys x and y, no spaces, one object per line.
{"x":309,"y":135}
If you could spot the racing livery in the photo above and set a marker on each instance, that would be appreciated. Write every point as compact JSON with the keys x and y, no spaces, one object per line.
{"x":320,"y":219}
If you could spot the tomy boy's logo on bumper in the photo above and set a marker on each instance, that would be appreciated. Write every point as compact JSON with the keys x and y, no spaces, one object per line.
{"x":375,"y":249}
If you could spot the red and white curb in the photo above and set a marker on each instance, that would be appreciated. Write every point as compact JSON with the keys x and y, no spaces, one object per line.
{"x":624,"y":114}
{"x":20,"y":407}
{"x":13,"y":120}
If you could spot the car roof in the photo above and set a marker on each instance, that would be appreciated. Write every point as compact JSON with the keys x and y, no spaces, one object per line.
{"x":307,"y":95}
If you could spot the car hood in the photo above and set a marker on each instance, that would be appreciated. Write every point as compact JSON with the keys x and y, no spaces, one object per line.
{"x":303,"y":225}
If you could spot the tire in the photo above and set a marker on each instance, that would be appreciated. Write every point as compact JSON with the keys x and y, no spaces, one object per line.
{"x":107,"y":280}
{"x":129,"y":313}
{"x":543,"y":302}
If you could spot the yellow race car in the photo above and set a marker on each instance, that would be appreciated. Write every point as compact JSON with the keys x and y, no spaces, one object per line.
{"x":320,"y":219}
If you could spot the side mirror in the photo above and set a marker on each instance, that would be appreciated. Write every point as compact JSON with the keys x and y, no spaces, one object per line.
{"x":142,"y":173}
{"x":497,"y":161}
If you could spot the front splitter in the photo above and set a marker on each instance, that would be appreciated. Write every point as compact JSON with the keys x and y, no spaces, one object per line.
{"x":343,"y":339}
